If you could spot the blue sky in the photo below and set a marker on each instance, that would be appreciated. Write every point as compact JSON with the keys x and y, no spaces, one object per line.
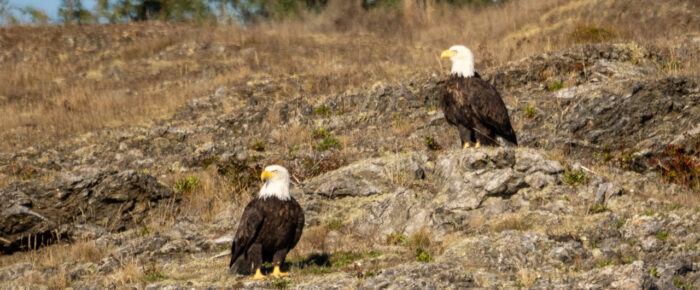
{"x":49,"y":6}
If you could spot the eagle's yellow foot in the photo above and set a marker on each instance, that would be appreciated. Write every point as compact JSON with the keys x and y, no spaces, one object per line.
{"x":258,"y":275}
{"x":466,"y":145}
{"x":277,"y":273}
{"x":478,"y":144}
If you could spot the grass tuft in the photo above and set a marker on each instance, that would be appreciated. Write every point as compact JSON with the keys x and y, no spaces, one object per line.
{"x":187,"y":184}
{"x":555,"y":86}
{"x":575,"y":177}
{"x":529,"y":111}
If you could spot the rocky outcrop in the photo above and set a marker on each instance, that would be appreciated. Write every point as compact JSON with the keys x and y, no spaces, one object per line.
{"x":492,"y":217}
{"x":36,"y":214}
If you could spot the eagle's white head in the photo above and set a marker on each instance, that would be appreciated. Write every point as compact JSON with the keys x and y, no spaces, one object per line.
{"x":462,"y":60}
{"x":275,"y":183}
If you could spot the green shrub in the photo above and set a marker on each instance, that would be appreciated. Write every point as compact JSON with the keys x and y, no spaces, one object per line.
{"x":280,"y":283}
{"x":322,"y":110}
{"x":334,"y":224}
{"x":605,"y":263}
{"x":682,"y":285}
{"x":619,"y":223}
{"x":258,"y":146}
{"x":653,"y":272}
{"x":423,"y":256}
{"x":575,"y":177}
{"x":597,"y":208}
{"x":186,"y":185}
{"x":396,"y":239}
{"x":662,"y":236}
{"x":328,"y":143}
{"x":320,"y":133}
{"x":555,"y":86}
{"x":529,"y":111}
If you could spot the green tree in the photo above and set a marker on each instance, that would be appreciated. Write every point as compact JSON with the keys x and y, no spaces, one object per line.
{"x":6,"y":15}
{"x":165,"y":10}
{"x":73,"y":11}
{"x":36,"y":16}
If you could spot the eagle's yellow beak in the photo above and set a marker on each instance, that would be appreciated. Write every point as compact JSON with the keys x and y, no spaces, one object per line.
{"x":448,"y":53}
{"x":266,"y":175}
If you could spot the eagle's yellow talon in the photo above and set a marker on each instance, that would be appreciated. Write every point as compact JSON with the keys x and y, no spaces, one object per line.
{"x":477,"y":144}
{"x":258,"y":275}
{"x":278,"y":274}
{"x":466,"y":145}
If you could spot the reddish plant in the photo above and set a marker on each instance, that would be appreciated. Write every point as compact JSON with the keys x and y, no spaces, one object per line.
{"x":680,"y":165}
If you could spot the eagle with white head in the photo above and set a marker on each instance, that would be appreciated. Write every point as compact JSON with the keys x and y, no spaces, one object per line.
{"x":270,"y":227}
{"x":473,"y":105}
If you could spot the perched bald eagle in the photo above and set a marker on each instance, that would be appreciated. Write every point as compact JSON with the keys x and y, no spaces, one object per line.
{"x":473,"y":105}
{"x":270,"y":227}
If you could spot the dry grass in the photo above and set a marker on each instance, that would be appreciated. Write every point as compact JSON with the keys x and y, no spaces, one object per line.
{"x":81,"y":251}
{"x":128,"y":273}
{"x":62,"y":81}
{"x":514,"y":221}
{"x":212,"y":195}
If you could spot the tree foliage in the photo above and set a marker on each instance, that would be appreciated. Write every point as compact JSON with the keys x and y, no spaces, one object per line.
{"x":73,"y":11}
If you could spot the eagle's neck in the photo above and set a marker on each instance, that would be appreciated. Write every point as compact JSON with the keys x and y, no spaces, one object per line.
{"x":463,"y":67}
{"x":275,"y":188}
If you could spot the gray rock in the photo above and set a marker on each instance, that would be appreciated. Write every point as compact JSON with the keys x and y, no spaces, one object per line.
{"x":112,"y":201}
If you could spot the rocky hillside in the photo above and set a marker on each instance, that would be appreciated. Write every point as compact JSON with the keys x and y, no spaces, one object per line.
{"x":391,"y":200}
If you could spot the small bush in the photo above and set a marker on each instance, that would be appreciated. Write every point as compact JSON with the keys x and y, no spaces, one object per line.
{"x":680,"y":166}
{"x":152,"y":273}
{"x":649,"y":212}
{"x":682,"y":285}
{"x":597,"y":208}
{"x":328,"y":143}
{"x":334,"y":224}
{"x":589,"y":33}
{"x":529,"y":111}
{"x":619,"y":223}
{"x":605,"y":263}
{"x":653,"y":272}
{"x":316,"y":165}
{"x":555,"y":86}
{"x":431,"y":143}
{"x":396,"y":239}
{"x":145,"y":230}
{"x":423,"y":256}
{"x":322,"y":110}
{"x":186,"y":185}
{"x":280,"y":283}
{"x":258,"y":146}
{"x":575,"y":177}
{"x":662,"y":236}
{"x":320,"y":133}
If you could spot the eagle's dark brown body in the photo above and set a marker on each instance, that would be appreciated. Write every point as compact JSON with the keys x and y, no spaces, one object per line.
{"x":476,"y":108}
{"x":268,"y":230}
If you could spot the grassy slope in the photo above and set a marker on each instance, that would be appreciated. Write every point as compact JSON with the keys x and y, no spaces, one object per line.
{"x":65,"y":81}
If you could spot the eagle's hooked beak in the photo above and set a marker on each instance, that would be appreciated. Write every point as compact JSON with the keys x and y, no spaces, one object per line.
{"x":448,"y":53}
{"x":266,"y":175}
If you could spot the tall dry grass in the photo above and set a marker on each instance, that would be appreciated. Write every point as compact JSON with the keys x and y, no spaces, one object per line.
{"x":64,"y":81}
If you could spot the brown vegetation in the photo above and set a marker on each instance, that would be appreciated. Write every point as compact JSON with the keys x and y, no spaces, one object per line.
{"x":63,"y":81}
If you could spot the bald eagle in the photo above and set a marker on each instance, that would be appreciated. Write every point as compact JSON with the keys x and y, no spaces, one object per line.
{"x":473,"y":105}
{"x":270,"y":227}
